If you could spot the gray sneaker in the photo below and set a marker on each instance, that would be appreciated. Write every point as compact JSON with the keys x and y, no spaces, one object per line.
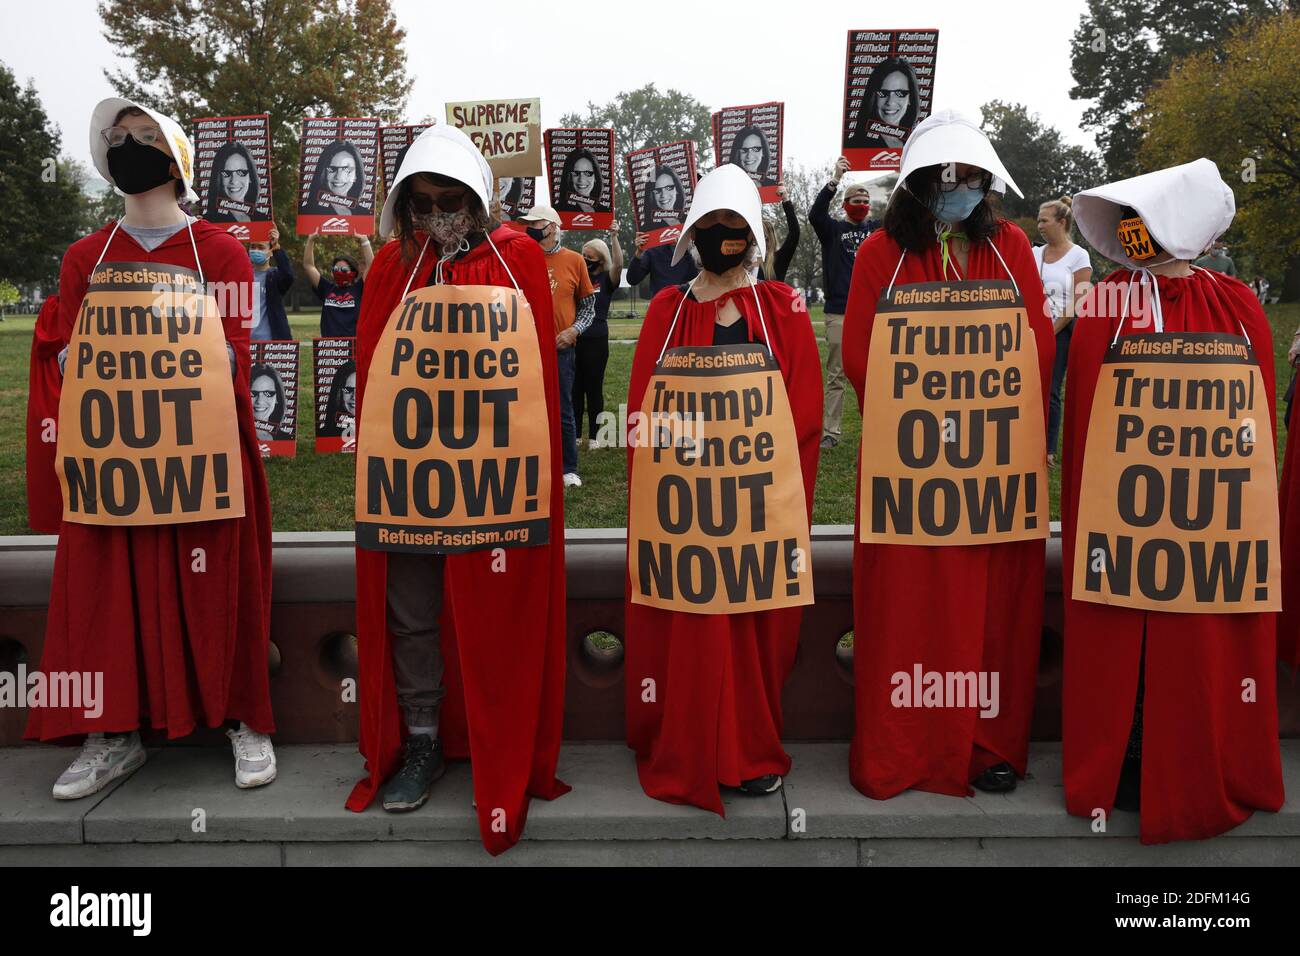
{"x":422,"y":765}
{"x":101,"y":761}
{"x":254,"y":757}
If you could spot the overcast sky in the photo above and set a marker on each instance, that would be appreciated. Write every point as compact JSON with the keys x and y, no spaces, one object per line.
{"x":728,"y":54}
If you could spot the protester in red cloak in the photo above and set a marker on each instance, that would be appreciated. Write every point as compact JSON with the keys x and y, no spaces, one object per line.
{"x":501,"y":633}
{"x":178,"y":647}
{"x":954,"y":609}
{"x":716,"y":716}
{"x":1204,"y":758}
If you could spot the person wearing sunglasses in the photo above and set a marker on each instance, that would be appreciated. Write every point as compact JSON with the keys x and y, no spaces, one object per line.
{"x":340,"y":292}
{"x":921,"y":600}
{"x":503,"y":711}
{"x":180,"y":643}
{"x":749,"y":151}
{"x":581,"y":184}
{"x":338,"y":184}
{"x":233,"y":187}
{"x":890,"y":104}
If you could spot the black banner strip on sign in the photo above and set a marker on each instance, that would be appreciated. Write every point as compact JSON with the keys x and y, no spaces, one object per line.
{"x":382,"y":536}
{"x":1178,"y":348}
{"x":930,"y":296}
{"x":712,"y":359}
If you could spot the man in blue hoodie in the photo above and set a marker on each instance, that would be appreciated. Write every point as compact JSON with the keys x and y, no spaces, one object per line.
{"x":840,"y":239}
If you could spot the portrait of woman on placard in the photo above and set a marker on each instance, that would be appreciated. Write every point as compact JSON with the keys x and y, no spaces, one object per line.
{"x":581,"y":184}
{"x":893,"y":97}
{"x":268,"y":401}
{"x":232,"y":187}
{"x":751,"y":152}
{"x":338,"y":182}
{"x":510,"y":190}
{"x":341,"y":408}
{"x":665,"y":200}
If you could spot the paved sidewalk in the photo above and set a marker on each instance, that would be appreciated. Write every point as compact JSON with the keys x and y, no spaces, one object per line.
{"x":819,"y":819}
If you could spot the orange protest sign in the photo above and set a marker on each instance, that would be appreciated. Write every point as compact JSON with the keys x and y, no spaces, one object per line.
{"x":454,"y":450}
{"x":147,"y":431}
{"x":953,"y":444}
{"x":1178,"y":503}
{"x":717,"y":515}
{"x":1136,"y":241}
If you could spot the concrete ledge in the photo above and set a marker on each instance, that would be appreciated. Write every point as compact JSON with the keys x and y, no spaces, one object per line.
{"x":606,"y":820}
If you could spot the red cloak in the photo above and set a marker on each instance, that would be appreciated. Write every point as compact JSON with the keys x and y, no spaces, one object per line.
{"x":177,"y":647}
{"x":1288,"y":622}
{"x":502,"y":632}
{"x":718,"y":678}
{"x":1208,"y":759}
{"x":950,"y":609}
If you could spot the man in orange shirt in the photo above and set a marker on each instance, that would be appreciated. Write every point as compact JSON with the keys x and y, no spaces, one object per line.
{"x":574,"y":300}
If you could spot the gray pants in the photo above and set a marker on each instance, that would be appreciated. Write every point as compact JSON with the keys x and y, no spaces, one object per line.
{"x":414,"y":603}
{"x":834,"y":408}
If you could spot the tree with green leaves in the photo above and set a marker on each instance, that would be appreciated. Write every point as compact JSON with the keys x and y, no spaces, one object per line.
{"x":288,"y":58}
{"x":1241,"y":108}
{"x":1044,"y":166}
{"x":42,"y":208}
{"x":640,"y":118}
{"x":1122,"y":47}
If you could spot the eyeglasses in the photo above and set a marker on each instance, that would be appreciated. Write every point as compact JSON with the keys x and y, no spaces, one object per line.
{"x":348,"y":170}
{"x":349,"y":389}
{"x":422,"y":203}
{"x":899,"y":95}
{"x":144,"y":135}
{"x":665,"y":190}
{"x":584,"y":174}
{"x":269,"y":393}
{"x":751,"y":150}
{"x":980,"y":180}
{"x":234,"y":174}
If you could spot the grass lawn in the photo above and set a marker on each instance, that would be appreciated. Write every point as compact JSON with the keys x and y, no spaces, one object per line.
{"x":314,"y":492}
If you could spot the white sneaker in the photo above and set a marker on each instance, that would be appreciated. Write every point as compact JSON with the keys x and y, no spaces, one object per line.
{"x":254,"y":757}
{"x":596,"y":443}
{"x":101,"y":761}
{"x":571,"y":480}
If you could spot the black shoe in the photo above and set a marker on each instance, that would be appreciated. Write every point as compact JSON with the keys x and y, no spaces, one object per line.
{"x":761,"y":786}
{"x":421,"y":766}
{"x":1128,"y":795}
{"x":999,"y":778}
{"x":830,"y":441}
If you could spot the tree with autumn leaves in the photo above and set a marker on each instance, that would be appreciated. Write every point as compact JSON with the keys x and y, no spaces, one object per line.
{"x":1241,"y":108}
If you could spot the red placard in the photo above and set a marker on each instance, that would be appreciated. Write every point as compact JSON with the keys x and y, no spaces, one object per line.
{"x":751,"y":137}
{"x":334,"y":379}
{"x":888,"y":89}
{"x":232,"y":174}
{"x":337,"y":173}
{"x":273,"y":382}
{"x":393,"y":143}
{"x":580,"y":170}
{"x":518,"y":194}
{"x":662,"y":181}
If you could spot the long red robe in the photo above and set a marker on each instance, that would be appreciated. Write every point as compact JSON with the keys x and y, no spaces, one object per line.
{"x":716,"y":717}
{"x":502,"y":632}
{"x":1208,"y":758}
{"x":949,"y":609}
{"x":1288,"y":622}
{"x":177,"y":647}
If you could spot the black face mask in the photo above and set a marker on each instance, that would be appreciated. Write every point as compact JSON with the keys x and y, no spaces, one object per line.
{"x":137,"y":169}
{"x":715,"y":244}
{"x":593,"y":269}
{"x":535,"y":234}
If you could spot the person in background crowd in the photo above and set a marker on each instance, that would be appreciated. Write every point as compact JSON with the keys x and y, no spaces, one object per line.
{"x":1155,"y":716}
{"x":574,"y":306}
{"x":1260,"y":288}
{"x":270,"y":283}
{"x":340,"y":294}
{"x":656,"y":263}
{"x":777,"y":262}
{"x":1065,"y":271}
{"x":975,"y":608}
{"x":840,"y":239}
{"x":605,"y":269}
{"x":1218,"y":260}
{"x":502,"y":709}
{"x":178,"y":646}
{"x":716,"y":719}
